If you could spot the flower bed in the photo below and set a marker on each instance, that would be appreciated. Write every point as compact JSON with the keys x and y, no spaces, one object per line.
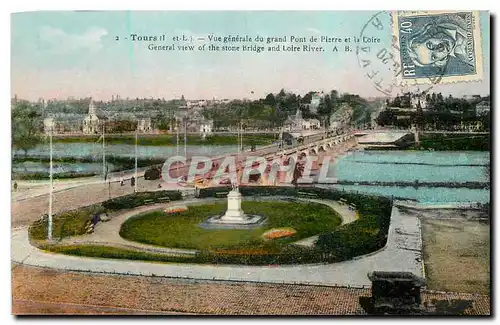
{"x":175,"y":209}
{"x":279,"y":233}
{"x":242,"y":251}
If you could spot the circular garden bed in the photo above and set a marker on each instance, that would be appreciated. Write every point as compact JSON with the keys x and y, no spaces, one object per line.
{"x":181,"y":229}
{"x":287,"y":222}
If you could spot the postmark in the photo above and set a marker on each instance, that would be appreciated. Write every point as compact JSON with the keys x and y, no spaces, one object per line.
{"x":438,"y":44}
{"x":380,"y":62}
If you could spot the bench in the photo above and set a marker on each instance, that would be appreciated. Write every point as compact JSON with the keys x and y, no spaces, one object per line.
{"x":221,"y":194}
{"x":308,"y":195}
{"x":164,"y":199}
{"x":343,"y":201}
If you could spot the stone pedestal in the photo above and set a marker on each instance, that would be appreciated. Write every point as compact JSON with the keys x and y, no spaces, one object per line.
{"x":234,"y":213}
{"x":234,"y":218}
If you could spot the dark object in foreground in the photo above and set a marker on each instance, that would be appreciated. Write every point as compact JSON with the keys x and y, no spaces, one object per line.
{"x":395,"y":293}
{"x":152,"y":173}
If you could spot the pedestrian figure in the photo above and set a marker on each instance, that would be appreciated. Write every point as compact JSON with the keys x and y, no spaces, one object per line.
{"x":121,"y":181}
{"x":15,"y":186}
{"x":132,"y":181}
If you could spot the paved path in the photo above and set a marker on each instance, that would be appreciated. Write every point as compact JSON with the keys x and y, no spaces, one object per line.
{"x":402,"y":253}
{"x":347,"y":215}
{"x":108,"y":233}
{"x":24,"y":212}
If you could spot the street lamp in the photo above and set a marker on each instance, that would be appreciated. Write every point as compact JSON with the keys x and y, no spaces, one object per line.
{"x":49,"y":229}
{"x":135,"y":171}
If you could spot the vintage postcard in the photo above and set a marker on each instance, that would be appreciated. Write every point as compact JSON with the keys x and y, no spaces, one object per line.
{"x":250,"y":163}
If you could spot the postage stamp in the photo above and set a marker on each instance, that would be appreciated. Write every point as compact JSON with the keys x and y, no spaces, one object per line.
{"x":444,"y":45}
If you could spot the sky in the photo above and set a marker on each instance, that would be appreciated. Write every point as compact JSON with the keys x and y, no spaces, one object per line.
{"x":68,"y":53}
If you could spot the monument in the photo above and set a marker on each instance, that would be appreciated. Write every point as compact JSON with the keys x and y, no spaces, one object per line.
{"x":234,"y":217}
{"x":234,"y":213}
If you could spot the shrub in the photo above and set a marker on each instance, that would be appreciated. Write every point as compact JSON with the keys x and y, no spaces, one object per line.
{"x":70,"y":223}
{"x":103,"y":251}
{"x":141,"y":198}
{"x":365,"y":235}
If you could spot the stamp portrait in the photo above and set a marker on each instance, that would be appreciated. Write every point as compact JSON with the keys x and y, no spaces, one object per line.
{"x":444,"y":45}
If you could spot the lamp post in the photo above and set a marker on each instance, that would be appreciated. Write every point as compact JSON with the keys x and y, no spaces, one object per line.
{"x":177,"y":131}
{"x":103,"y":152}
{"x":135,"y":171}
{"x":185,"y":137}
{"x":49,"y":229}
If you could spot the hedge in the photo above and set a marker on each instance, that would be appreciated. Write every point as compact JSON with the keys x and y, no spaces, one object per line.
{"x":141,"y":198}
{"x":72,"y":223}
{"x":365,"y":235}
{"x":66,"y":224}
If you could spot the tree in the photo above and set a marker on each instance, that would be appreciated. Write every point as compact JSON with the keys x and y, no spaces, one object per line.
{"x":25,"y":130}
{"x":270,"y":100}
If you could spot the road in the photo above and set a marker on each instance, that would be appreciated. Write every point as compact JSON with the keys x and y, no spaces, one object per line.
{"x":29,"y":209}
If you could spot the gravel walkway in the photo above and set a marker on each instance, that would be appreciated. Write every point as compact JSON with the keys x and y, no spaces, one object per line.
{"x":402,"y":253}
{"x":347,"y":215}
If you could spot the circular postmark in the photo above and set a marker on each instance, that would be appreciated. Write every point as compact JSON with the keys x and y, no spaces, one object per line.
{"x":381,"y":61}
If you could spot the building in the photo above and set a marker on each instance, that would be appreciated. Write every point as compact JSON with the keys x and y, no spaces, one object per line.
{"x":200,"y":103}
{"x":483,"y":108}
{"x":311,"y":124}
{"x":93,"y":121}
{"x":298,"y":123}
{"x":194,"y":121}
{"x":63,"y":123}
{"x":206,"y":127}
{"x":315,"y":101}
{"x":418,"y":100}
{"x":144,"y":125}
{"x":48,"y":125}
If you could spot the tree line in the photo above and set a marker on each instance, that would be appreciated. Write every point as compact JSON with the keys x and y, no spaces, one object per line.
{"x":272,"y":110}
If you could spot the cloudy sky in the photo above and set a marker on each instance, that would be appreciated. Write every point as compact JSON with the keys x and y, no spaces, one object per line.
{"x":62,"y":54}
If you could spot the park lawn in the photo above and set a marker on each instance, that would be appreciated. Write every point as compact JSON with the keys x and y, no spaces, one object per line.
{"x":66,"y":224}
{"x":181,"y":230}
{"x":102,"y":251}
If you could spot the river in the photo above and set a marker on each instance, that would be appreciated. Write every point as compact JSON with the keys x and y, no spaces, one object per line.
{"x":357,"y":166}
{"x":409,"y":166}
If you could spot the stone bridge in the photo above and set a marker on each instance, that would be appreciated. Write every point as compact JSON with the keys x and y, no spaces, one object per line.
{"x":314,"y":147}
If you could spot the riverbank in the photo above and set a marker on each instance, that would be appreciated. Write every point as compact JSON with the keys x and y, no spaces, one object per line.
{"x":453,"y":142}
{"x":438,"y":142}
{"x":417,"y":184}
{"x":115,"y":163}
{"x":171,"y":139}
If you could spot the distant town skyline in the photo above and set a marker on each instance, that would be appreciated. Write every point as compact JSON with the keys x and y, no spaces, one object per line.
{"x":76,"y":54}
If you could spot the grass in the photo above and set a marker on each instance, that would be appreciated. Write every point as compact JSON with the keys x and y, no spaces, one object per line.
{"x":71,"y":223}
{"x":453,"y":142}
{"x":102,"y":251}
{"x":181,"y":230}
{"x":236,"y":247}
